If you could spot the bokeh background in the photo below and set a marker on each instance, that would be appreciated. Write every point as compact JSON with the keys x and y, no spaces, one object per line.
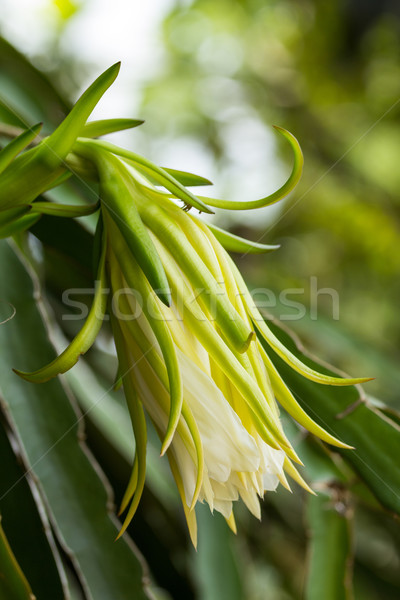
{"x":210,"y":78}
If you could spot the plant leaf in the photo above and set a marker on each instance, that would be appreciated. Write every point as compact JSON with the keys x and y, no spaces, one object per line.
{"x":13,"y":583}
{"x":329,"y":574}
{"x":47,"y":426}
{"x":26,"y":524}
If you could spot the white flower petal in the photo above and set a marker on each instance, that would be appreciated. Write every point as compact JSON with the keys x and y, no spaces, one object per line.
{"x":227,"y":445}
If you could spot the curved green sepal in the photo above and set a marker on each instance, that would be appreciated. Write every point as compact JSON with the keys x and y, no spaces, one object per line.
{"x":283,"y":191}
{"x":234,"y":243}
{"x":16,"y":146}
{"x":132,"y":484}
{"x":136,"y":484}
{"x":289,"y":403}
{"x":96,"y":129}
{"x":277,"y":345}
{"x":83,"y":340}
{"x":297,"y":364}
{"x":194,"y":432}
{"x":64,"y":210}
{"x":295,"y":475}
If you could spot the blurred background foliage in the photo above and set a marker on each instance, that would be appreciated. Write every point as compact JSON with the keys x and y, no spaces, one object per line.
{"x":229,"y":70}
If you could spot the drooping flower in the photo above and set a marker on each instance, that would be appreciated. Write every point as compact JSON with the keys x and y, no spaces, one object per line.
{"x":183,"y":322}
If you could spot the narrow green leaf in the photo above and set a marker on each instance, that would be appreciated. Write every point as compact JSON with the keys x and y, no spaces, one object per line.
{"x":47,"y":425}
{"x":329,"y":575}
{"x":17,"y":145}
{"x":13,"y":583}
{"x":95,"y":129}
{"x":36,"y":95}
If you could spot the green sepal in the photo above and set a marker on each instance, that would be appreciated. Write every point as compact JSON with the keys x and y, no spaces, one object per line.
{"x":64,"y":210}
{"x":19,"y":225}
{"x":16,"y":146}
{"x":12,"y":214}
{"x":97,"y":243}
{"x":186,"y":178}
{"x":234,"y":243}
{"x":290,"y":404}
{"x":138,"y":423}
{"x":117,"y":380}
{"x":95,"y":129}
{"x":83,"y":340}
{"x":283,"y":191}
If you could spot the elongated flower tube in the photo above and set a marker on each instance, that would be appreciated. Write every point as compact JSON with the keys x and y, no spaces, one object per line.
{"x":183,"y":322}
